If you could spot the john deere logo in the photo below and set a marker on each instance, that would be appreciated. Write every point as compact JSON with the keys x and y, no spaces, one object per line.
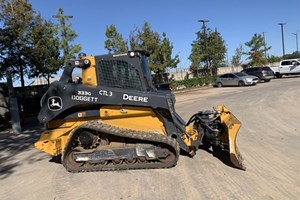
{"x":55,"y":103}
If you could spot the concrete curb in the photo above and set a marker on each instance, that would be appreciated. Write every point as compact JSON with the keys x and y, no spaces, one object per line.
{"x":192,"y":89}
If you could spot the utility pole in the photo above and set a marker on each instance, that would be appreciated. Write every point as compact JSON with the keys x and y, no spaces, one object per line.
{"x":265,"y":44}
{"x":62,"y":20}
{"x":296,"y":34}
{"x":282,"y":37}
{"x":205,"y":41}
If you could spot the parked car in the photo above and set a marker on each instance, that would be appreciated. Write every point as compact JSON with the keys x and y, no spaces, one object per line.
{"x":161,"y":81}
{"x":263,"y":73}
{"x":235,"y":79}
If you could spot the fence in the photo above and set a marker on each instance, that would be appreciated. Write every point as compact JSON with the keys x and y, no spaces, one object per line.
{"x":187,"y":74}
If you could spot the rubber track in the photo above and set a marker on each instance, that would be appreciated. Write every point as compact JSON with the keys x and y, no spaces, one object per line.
{"x":149,"y":137}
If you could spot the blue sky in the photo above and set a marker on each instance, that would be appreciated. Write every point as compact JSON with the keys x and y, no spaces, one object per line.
{"x":236,"y":20}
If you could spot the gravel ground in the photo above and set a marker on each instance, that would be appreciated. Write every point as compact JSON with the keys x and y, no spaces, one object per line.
{"x":268,"y":140}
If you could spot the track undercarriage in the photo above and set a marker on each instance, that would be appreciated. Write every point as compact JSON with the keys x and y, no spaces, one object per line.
{"x":96,"y":146}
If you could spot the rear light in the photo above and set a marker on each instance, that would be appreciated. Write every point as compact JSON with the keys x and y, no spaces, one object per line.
{"x":168,"y":86}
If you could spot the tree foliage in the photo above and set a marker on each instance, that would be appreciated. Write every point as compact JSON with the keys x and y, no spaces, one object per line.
{"x":67,"y":36}
{"x":258,"y":47}
{"x":45,"y":57}
{"x":115,"y":42}
{"x":273,"y":59}
{"x":216,"y":49}
{"x":144,"y":39}
{"x":17,"y":17}
{"x":160,"y":48}
{"x":236,"y":58}
{"x":30,"y":46}
{"x":292,"y":56}
{"x":133,"y":39}
{"x":208,"y":50}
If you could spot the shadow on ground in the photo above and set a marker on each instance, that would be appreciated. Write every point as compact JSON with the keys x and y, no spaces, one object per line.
{"x":12,"y":145}
{"x":223,"y":156}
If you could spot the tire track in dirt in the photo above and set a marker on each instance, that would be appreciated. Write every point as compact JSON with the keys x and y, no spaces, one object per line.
{"x":268,"y":140}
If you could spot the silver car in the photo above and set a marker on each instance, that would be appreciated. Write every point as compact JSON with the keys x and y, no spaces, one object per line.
{"x":235,"y":79}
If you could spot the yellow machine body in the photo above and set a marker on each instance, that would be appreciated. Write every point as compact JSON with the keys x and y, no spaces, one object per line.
{"x":84,"y":120}
{"x":54,"y":139}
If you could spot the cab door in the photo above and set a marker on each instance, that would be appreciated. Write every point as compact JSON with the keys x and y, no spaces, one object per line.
{"x":284,"y":67}
{"x":233,"y":79}
{"x":295,"y":67}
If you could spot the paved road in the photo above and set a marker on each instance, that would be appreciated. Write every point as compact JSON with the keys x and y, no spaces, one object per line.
{"x":269,"y":141}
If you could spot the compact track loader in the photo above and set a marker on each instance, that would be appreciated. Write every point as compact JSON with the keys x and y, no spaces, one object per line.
{"x":113,"y":118}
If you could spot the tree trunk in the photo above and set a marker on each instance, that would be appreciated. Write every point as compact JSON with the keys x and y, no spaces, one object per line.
{"x":13,"y":106}
{"x":22,"y":80}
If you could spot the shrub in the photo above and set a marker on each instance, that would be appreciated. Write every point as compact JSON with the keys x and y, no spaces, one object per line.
{"x":193,"y":82}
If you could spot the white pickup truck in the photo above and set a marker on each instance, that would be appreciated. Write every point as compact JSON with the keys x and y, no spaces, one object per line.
{"x":287,"y":67}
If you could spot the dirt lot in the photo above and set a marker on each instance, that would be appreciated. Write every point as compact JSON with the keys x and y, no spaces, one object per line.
{"x":269,"y":141}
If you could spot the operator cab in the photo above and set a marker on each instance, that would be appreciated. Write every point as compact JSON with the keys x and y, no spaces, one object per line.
{"x":125,"y":71}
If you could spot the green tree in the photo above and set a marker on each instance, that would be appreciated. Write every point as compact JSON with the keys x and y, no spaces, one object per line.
{"x":273,"y":59}
{"x":160,"y":48}
{"x":115,"y":42}
{"x":292,"y":56}
{"x":67,"y":35}
{"x":17,"y":17}
{"x":236,"y":58}
{"x":133,"y":39}
{"x":258,"y":47}
{"x":216,"y":50}
{"x":208,"y":50}
{"x":165,"y":55}
{"x":45,"y":57}
{"x":197,"y":55}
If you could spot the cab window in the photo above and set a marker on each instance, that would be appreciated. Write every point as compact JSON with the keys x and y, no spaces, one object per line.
{"x":231,"y":76}
{"x":118,"y":73}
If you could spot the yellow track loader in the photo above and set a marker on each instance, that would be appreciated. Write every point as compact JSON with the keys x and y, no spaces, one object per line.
{"x":113,"y":118}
